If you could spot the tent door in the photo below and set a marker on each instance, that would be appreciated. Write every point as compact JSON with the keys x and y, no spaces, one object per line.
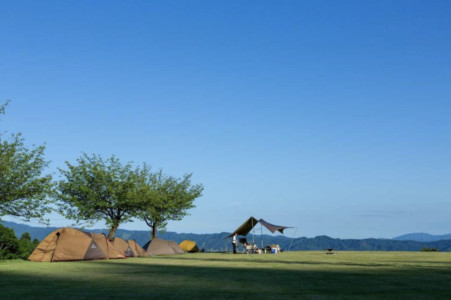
{"x":93,"y":252}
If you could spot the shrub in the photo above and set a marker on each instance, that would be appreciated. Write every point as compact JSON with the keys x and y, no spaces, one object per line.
{"x":425,"y":249}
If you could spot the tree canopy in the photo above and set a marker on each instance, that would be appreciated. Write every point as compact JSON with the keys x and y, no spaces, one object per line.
{"x":24,"y":190}
{"x":95,"y":189}
{"x":165,"y":198}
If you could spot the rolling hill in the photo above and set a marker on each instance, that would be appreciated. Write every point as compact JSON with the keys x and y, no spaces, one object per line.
{"x":218,"y":242}
{"x":423,"y":237}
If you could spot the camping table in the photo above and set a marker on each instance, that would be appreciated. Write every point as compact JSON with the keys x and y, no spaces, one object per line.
{"x":251,"y":248}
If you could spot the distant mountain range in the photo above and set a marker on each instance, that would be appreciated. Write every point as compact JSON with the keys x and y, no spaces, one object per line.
{"x":422,"y":237}
{"x":219,"y":242}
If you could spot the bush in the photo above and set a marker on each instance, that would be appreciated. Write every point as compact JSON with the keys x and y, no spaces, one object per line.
{"x":429,"y":249}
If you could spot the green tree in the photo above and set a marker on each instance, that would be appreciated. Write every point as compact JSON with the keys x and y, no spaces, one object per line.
{"x":165,"y":198}
{"x":9,"y":245}
{"x":25,"y":246}
{"x":24,"y":190}
{"x":95,"y":189}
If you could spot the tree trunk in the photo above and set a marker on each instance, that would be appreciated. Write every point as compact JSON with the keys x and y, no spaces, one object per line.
{"x":112,"y":232}
{"x":154,"y":230}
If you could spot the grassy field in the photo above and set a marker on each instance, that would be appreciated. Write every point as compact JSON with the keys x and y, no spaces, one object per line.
{"x":395,"y":275}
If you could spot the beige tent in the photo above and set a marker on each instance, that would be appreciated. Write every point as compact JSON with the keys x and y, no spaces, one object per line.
{"x":106,"y":245}
{"x":137,"y":248}
{"x":189,"y":246}
{"x":124,"y":247}
{"x":67,"y":244}
{"x":176,"y":247}
{"x":162,"y":247}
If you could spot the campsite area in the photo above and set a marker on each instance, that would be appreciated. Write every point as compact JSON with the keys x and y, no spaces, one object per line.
{"x":309,"y":274}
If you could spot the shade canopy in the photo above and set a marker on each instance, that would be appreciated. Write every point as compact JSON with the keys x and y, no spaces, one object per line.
{"x":247,"y":226}
{"x":271,"y":227}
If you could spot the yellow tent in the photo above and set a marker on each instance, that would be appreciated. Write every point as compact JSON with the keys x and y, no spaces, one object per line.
{"x":189,"y":246}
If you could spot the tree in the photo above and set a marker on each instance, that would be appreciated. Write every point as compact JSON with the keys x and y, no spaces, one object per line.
{"x":25,"y":246}
{"x":95,"y":189}
{"x":165,"y":198}
{"x":9,"y":244}
{"x":24,"y":190}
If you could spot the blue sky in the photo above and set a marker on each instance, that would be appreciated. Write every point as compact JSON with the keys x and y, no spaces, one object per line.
{"x":329,"y":116}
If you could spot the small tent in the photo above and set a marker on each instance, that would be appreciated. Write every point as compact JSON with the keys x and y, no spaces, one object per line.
{"x":137,"y":248}
{"x":124,"y":247}
{"x":189,"y":246}
{"x":176,"y":247}
{"x":67,"y":244}
{"x":106,"y":246}
{"x":159,"y":246}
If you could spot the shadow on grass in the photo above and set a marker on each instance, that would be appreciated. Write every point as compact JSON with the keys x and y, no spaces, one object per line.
{"x":273,"y":261}
{"x":142,"y":279}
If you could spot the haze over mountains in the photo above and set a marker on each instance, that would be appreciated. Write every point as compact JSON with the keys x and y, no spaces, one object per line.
{"x":218,"y":242}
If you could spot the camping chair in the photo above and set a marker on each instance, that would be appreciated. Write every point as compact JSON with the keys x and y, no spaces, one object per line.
{"x":243,"y":243}
{"x":248,"y":248}
{"x":251,"y":248}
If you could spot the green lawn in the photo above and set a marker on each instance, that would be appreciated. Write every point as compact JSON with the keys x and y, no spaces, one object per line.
{"x":396,"y":275}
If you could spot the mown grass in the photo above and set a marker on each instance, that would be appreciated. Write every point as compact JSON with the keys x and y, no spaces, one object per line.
{"x":307,"y":275}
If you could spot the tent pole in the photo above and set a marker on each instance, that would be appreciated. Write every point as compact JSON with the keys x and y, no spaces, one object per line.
{"x":261,"y":234}
{"x":253,"y":240}
{"x":296,"y":229}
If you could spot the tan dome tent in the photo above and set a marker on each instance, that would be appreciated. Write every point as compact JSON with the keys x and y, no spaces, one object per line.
{"x":189,"y":246}
{"x":162,"y":247}
{"x":67,"y":244}
{"x":106,"y":245}
{"x":176,"y":247}
{"x":124,"y":246}
{"x":137,"y":248}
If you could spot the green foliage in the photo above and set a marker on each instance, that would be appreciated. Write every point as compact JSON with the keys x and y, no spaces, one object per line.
{"x":3,"y":107}
{"x":165,"y":198}
{"x":26,"y":246}
{"x":23,"y":187}
{"x":427,"y":249}
{"x":95,"y":189}
{"x":9,"y":245}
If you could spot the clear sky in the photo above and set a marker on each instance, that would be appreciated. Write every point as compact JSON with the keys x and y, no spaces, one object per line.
{"x":330,"y":116}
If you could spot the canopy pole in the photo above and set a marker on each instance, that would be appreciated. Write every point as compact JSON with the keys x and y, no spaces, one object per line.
{"x":295,"y":229}
{"x":261,"y":234}
{"x":253,"y":239}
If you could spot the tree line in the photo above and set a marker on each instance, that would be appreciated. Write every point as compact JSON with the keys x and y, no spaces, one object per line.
{"x":91,"y":189}
{"x":11,"y":247}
